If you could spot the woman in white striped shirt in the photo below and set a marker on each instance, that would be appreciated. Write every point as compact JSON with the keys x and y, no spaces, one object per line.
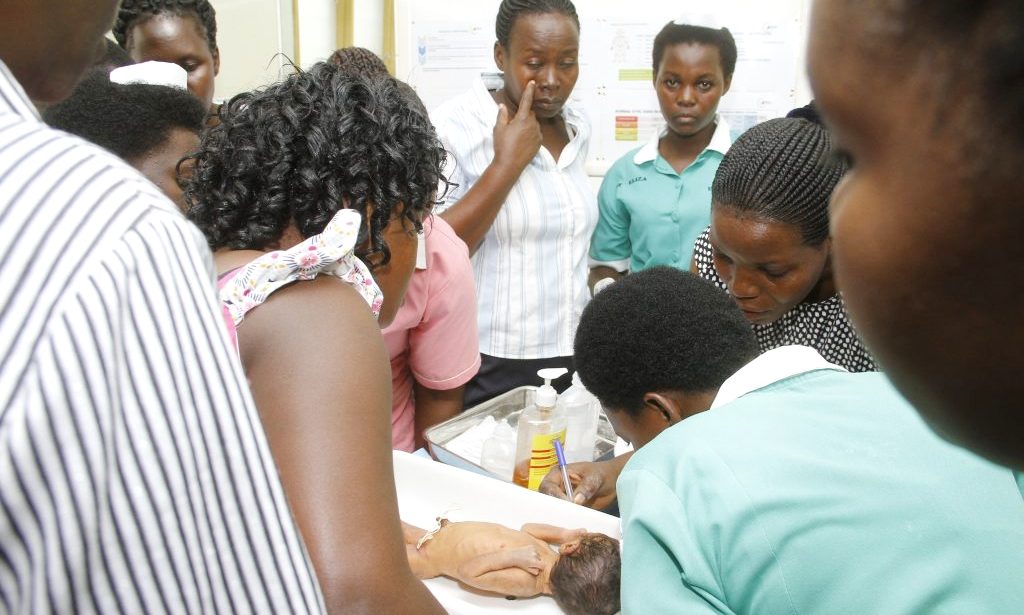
{"x":524,"y":204}
{"x":134,"y":474}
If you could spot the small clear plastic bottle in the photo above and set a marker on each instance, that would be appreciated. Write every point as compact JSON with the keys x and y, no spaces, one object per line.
{"x":581,"y":413}
{"x":499,"y":452}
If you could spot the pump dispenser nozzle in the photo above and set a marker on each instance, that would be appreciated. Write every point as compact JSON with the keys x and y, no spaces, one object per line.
{"x":547,"y":396}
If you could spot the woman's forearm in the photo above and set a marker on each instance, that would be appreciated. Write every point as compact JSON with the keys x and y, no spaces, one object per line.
{"x":472,"y":216}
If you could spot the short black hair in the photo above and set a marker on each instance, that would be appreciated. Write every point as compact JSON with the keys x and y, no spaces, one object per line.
{"x":358,"y":61}
{"x":660,"y":329}
{"x":132,"y":11}
{"x":783,"y":170}
{"x":677,"y":34}
{"x":298,"y":151}
{"x":128,"y":119}
{"x":511,"y":10}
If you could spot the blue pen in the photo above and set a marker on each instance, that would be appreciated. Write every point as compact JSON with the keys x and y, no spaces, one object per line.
{"x":561,"y":466}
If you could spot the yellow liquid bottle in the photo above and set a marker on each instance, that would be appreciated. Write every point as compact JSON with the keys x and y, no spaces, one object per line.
{"x":540,"y":424}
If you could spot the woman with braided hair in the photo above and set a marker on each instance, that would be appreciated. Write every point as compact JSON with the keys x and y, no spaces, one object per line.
{"x":768,"y":244}
{"x":182,"y":32}
{"x":359,"y":61}
{"x":524,"y":205}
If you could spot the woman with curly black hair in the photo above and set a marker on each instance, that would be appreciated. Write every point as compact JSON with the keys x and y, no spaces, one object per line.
{"x":182,"y":32}
{"x":310,"y":181}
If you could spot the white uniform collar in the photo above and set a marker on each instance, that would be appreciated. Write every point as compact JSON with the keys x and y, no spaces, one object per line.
{"x":771,"y":367}
{"x":720,"y":142}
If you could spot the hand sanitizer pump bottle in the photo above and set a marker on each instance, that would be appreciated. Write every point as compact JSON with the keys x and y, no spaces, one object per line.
{"x":581,"y":412}
{"x":540,"y":424}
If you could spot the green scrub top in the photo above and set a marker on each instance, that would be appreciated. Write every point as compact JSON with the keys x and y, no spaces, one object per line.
{"x":651,"y":215}
{"x":821,"y":494}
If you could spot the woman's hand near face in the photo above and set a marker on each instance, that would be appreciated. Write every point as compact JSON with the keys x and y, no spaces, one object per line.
{"x":537,"y":56}
{"x":517,"y":139}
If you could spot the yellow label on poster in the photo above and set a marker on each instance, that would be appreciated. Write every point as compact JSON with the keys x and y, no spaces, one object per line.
{"x":542,"y":457}
{"x":636,"y":74}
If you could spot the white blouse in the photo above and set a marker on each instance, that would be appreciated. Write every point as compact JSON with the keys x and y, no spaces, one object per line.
{"x":531,"y":268}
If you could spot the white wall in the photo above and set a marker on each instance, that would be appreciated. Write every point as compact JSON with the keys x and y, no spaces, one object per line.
{"x":368,"y":29}
{"x":256,"y":42}
{"x":318,"y":31}
{"x":256,"y":37}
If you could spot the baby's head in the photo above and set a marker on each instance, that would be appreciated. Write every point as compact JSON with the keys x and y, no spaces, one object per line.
{"x":585,"y":579}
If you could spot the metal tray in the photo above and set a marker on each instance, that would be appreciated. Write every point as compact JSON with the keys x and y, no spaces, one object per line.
{"x":505,"y":406}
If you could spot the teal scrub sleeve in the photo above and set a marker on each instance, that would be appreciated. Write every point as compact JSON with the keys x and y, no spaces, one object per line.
{"x":665,"y":568}
{"x":610,"y":242}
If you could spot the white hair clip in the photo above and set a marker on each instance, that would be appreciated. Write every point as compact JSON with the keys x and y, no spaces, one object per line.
{"x":152,"y":73}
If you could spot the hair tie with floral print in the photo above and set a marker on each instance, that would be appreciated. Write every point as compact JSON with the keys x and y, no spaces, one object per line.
{"x":332,"y":252}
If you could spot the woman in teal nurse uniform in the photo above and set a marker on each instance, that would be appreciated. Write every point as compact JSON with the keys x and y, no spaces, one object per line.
{"x":655,"y":201}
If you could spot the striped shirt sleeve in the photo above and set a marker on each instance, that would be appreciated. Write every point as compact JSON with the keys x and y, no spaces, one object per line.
{"x":134,"y":473}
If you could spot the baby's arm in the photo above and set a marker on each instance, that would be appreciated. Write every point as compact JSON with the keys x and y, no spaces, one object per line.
{"x":552,"y":534}
{"x":524,"y":558}
{"x":511,"y":572}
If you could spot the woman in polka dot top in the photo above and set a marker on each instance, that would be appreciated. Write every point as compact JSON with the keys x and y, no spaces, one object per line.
{"x":769,"y":246}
